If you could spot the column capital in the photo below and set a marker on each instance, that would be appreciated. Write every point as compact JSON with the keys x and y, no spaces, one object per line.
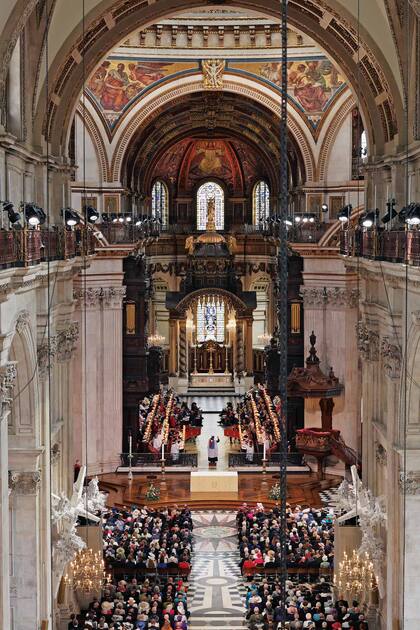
{"x":368,"y":342}
{"x":409,"y":482}
{"x":391,"y":359}
{"x":46,"y":352}
{"x":110,"y":297}
{"x":67,"y":342}
{"x":24,"y":482}
{"x":343,"y":297}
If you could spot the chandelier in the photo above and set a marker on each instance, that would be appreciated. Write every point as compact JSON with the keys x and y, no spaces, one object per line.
{"x":155,"y":340}
{"x":264,"y":339}
{"x":87,"y":572}
{"x":355,"y":579}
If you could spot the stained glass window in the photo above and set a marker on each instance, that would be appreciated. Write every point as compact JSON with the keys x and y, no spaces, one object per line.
{"x":205,"y":192}
{"x":261,"y":202}
{"x":160,"y":201}
{"x":210,"y":320}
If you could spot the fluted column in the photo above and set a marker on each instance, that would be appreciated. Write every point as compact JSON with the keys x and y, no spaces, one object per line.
{"x":7,"y":379}
{"x":25,"y":572}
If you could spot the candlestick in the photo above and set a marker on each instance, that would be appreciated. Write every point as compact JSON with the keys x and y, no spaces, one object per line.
{"x":130,"y":457}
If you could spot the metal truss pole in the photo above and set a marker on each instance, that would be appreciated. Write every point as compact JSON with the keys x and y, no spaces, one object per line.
{"x":282,"y":308}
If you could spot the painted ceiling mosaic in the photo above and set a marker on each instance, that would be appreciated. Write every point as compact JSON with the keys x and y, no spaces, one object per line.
{"x":118,"y":82}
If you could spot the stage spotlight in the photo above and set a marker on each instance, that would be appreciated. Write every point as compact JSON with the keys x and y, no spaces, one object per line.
{"x":413,"y":216}
{"x":368,"y":219}
{"x":298,"y":218}
{"x":128,"y":218}
{"x":34,"y":215}
{"x":92,"y":214}
{"x":344,"y":214}
{"x":114,"y":217}
{"x":324,"y":207}
{"x":12,"y":215}
{"x":71,"y":218}
{"x":288,"y":221}
{"x":120,"y":218}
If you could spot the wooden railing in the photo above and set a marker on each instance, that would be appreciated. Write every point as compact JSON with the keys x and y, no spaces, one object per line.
{"x":26,"y":247}
{"x":398,"y":246}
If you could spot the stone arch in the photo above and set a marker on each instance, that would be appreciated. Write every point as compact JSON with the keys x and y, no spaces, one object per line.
{"x":410,"y":392}
{"x":235,"y":84}
{"x":97,"y":140}
{"x":24,"y":416}
{"x":331,"y":135}
{"x":332,"y":235}
{"x":233,"y":300}
{"x":329,"y":23}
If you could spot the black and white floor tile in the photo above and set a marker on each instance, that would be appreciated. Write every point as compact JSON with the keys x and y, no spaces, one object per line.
{"x":216,"y":593}
{"x":329,"y":498}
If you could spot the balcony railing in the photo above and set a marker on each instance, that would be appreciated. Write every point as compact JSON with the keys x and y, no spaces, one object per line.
{"x":27,"y":247}
{"x":397,"y":246}
{"x":145,"y":460}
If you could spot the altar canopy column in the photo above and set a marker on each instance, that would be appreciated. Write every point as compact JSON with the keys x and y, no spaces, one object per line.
{"x":249,"y":364}
{"x":173,"y":347}
{"x":25,"y":570}
{"x":240,"y":351}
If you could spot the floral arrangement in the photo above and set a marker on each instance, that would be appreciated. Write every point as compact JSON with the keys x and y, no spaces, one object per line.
{"x":152,"y":493}
{"x":275,"y":492}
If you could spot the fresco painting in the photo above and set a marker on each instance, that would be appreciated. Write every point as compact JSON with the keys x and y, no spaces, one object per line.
{"x":312,"y":82}
{"x":117,"y":82}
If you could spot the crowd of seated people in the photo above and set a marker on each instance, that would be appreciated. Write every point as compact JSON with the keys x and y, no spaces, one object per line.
{"x":310,"y":538}
{"x":143,"y":605}
{"x":184,"y":424}
{"x":243,"y":416}
{"x":308,"y":606}
{"x":144,"y":538}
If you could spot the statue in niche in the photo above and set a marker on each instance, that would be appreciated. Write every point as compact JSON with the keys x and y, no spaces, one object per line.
{"x":211,"y":215}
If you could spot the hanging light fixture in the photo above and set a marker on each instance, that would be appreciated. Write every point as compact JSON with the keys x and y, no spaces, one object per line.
{"x":87,"y":572}
{"x":355,"y":579}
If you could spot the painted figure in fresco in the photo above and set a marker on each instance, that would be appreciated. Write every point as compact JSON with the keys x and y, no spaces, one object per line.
{"x":144,"y":74}
{"x":97,"y":81}
{"x":114,"y":90}
{"x":309,"y":87}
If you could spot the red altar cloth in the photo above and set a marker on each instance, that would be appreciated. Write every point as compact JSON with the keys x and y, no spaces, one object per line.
{"x":192,"y":432}
{"x":232,"y":432}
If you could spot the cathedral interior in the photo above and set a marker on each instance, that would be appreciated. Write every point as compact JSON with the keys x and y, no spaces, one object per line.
{"x":209,"y":314}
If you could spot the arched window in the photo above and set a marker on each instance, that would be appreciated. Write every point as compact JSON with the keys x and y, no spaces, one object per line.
{"x":208,"y":191}
{"x":160,"y":201}
{"x":260,"y":202}
{"x":210,"y":316}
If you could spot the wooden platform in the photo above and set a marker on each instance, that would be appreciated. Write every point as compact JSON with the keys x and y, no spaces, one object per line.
{"x":175,"y":489}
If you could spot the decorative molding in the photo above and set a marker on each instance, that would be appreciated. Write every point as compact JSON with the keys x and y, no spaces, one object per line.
{"x":24,"y":482}
{"x":391,"y":357}
{"x":380,"y":454}
{"x":416,"y":6}
{"x":23,"y":321}
{"x":213,"y":73}
{"x":110,"y":297}
{"x":46,"y":353}
{"x":8,"y":375}
{"x":55,"y":453}
{"x":334,"y":296}
{"x":367,"y":342}
{"x":67,"y":342}
{"x":409,"y":483}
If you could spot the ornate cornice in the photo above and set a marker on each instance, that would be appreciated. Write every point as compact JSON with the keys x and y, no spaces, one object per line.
{"x":368,"y":342}
{"x":409,"y":483}
{"x":93,"y":297}
{"x":8,"y":374}
{"x":380,"y":454}
{"x":67,"y":342}
{"x":391,"y":358}
{"x":333,"y":296}
{"x":24,"y":482}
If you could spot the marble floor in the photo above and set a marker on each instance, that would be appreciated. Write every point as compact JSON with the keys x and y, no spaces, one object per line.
{"x":217,"y":593}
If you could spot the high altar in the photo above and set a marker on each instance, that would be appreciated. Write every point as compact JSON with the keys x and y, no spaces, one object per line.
{"x":210,"y":318}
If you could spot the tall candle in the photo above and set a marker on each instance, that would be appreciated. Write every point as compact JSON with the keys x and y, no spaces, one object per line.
{"x":163,"y":450}
{"x":130,"y":442}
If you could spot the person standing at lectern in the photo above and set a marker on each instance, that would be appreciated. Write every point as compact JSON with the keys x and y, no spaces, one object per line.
{"x":213,"y":450}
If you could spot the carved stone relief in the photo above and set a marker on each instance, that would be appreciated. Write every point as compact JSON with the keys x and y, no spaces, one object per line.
{"x":24,"y":482}
{"x":334,"y":296}
{"x":391,"y":358}
{"x":409,"y":483}
{"x":368,"y":342}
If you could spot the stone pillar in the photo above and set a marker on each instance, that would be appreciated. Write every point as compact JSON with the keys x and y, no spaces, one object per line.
{"x":25,"y":577}
{"x":7,"y":378}
{"x":183,"y":359}
{"x":331,"y":312}
{"x":410,"y":485}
